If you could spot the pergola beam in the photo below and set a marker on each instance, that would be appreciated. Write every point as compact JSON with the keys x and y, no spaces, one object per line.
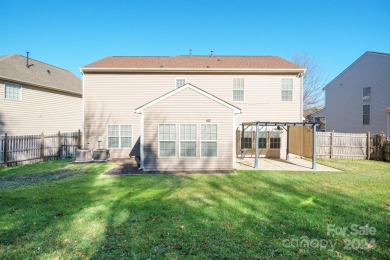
{"x":282,"y":124}
{"x":277,"y":123}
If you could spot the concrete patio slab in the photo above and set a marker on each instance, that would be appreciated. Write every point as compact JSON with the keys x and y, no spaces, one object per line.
{"x":294,"y":164}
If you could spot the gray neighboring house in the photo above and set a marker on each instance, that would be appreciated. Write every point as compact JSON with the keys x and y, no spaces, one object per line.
{"x":38,"y":97}
{"x":358,"y":99}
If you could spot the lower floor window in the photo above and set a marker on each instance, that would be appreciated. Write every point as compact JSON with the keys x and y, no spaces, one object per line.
{"x":188,"y":149}
{"x":119,"y":136}
{"x":167,"y":148}
{"x":248,"y":139}
{"x":209,"y":137}
{"x":274,"y":142}
{"x":167,"y":140}
{"x":366,"y":114}
{"x":262,"y":142}
{"x":209,"y":149}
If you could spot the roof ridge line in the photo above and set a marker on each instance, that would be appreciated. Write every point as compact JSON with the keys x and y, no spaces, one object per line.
{"x":7,"y":56}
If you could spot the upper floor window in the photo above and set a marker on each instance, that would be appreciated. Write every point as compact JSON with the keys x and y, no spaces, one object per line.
{"x":366,"y":114}
{"x":287,"y":89}
{"x":180,"y":82}
{"x":238,"y":89}
{"x":366,"y":94}
{"x":13,"y":91}
{"x":119,"y":136}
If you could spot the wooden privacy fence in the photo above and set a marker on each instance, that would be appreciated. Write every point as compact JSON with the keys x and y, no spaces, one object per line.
{"x":300,"y":141}
{"x":379,"y":148}
{"x":339,"y":145}
{"x":22,"y":149}
{"x":342,"y":145}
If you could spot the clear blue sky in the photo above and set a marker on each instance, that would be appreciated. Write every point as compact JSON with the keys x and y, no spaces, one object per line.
{"x":70,"y":33}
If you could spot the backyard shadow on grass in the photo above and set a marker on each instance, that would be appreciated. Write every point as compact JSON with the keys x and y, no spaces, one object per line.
{"x":233,"y":217}
{"x":36,"y":215}
{"x":248,"y":215}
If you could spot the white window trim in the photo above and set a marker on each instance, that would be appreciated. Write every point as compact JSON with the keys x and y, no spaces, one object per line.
{"x":158,"y":138}
{"x":120,"y":142}
{"x":14,"y":85}
{"x":211,"y":141}
{"x":292,"y":90}
{"x":185,"y":82}
{"x":196,"y":141}
{"x":238,"y":101}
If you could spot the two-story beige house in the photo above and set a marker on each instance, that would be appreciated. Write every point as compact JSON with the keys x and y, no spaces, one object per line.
{"x":38,"y":97}
{"x":182,"y":113}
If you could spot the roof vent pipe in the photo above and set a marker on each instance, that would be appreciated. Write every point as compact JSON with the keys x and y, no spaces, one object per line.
{"x":28,"y":65}
{"x":212,"y":54}
{"x":190,"y":52}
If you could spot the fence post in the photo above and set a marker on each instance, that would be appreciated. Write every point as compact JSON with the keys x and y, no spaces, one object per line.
{"x":5,"y":152}
{"x":59,"y":152}
{"x":368,"y":145}
{"x":79,"y":139}
{"x":383,"y":145}
{"x":332,"y":144}
{"x":42,"y":146}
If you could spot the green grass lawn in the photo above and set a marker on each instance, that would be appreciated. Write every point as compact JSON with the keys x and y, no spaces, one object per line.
{"x":250,"y":214}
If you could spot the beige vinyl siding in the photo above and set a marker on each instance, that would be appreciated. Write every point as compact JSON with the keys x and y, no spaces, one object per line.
{"x":344,"y":96}
{"x":112,"y":99}
{"x":40,"y":110}
{"x":188,"y":107}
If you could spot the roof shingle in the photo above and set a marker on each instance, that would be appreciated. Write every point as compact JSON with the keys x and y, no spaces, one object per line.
{"x":13,"y":67}
{"x":193,"y":62}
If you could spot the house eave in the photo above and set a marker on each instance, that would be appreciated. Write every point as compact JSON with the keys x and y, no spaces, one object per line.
{"x":38,"y":85}
{"x":192,"y":70}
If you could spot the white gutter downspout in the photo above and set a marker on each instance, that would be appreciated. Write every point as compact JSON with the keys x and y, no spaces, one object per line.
{"x":142,"y":158}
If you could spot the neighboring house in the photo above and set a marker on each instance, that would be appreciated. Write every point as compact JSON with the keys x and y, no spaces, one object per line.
{"x":38,"y":97}
{"x":319,"y":118}
{"x":182,"y":113}
{"x":358,"y":100}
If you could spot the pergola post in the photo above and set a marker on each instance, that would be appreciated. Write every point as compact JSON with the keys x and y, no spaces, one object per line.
{"x":242,"y":141}
{"x":257,"y":147}
{"x":314,"y":158}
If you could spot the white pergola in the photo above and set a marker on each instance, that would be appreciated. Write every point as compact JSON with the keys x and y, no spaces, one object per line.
{"x":285,"y":125}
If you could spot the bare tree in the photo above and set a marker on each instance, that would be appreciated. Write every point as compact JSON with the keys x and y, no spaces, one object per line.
{"x":313,"y":82}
